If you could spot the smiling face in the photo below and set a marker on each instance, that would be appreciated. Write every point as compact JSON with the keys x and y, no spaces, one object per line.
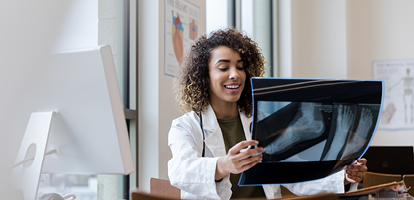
{"x":227,"y":76}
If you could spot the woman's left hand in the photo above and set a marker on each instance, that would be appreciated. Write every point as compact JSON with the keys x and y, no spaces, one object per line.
{"x":355,"y":172}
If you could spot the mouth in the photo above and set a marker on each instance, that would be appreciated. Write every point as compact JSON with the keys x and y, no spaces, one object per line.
{"x":232,"y":87}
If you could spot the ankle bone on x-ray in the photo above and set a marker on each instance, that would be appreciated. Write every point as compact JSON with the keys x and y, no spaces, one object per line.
{"x":359,"y":138}
{"x":344,"y":122}
{"x":308,"y":126}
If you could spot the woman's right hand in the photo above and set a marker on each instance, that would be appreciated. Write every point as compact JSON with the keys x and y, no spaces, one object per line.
{"x":238,"y":159}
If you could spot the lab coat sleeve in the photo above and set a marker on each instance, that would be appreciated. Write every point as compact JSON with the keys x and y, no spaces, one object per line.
{"x":188,"y":170}
{"x":353,"y":187}
{"x":272,"y":191}
{"x":333,"y":184}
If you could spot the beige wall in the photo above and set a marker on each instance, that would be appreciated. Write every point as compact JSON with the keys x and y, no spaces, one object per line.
{"x":323,"y":39}
{"x":340,"y":39}
{"x":318,"y":39}
{"x":378,"y":30}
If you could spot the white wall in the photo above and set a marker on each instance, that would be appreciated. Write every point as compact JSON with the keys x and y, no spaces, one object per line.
{"x":218,"y":9}
{"x":79,"y":27}
{"x":157,"y":106}
{"x":148,"y":55}
{"x":284,"y":55}
{"x":29,"y":29}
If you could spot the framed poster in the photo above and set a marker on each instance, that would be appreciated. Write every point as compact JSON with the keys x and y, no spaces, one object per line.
{"x":398,"y":112}
{"x":181,"y":29}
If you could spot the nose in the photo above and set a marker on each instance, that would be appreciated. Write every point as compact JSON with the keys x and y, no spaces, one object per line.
{"x":234,"y":73}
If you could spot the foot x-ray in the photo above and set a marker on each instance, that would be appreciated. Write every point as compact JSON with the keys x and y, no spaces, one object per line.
{"x":311,"y":128}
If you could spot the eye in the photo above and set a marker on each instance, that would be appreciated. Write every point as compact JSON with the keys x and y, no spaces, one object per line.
{"x":223,"y":68}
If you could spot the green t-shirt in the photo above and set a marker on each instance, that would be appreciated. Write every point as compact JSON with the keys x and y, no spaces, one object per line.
{"x":232,"y":134}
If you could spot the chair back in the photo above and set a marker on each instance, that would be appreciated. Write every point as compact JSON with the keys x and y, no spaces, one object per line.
{"x":372,"y":179}
{"x":140,"y":195}
{"x":322,"y":196}
{"x":162,"y":187}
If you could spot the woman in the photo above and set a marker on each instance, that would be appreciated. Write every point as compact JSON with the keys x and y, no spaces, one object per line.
{"x":214,"y":89}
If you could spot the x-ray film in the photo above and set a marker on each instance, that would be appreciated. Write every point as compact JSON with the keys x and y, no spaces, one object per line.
{"x":311,"y":128}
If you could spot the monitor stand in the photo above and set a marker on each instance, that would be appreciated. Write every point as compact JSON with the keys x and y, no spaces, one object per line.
{"x":29,"y":161}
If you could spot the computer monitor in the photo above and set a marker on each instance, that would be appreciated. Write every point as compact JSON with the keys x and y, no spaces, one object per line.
{"x":90,"y":128}
{"x":77,"y":110}
{"x":390,"y":159}
{"x":311,"y":128}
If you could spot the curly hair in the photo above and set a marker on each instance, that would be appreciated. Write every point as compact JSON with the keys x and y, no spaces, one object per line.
{"x":192,"y":82}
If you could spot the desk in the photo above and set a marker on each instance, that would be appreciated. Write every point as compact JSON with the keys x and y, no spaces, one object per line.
{"x":372,"y":179}
{"x":323,"y":196}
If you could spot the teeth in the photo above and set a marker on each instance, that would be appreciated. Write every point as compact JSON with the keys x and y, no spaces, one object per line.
{"x":232,"y":86}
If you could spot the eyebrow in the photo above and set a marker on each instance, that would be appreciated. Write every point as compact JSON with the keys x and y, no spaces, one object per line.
{"x":227,"y":61}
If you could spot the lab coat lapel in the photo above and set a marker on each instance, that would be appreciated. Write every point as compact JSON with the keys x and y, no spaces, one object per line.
{"x":213,"y":135}
{"x":246,"y":121}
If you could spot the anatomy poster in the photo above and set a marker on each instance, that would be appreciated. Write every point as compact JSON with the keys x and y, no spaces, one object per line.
{"x":398,"y":112}
{"x":181,"y":29}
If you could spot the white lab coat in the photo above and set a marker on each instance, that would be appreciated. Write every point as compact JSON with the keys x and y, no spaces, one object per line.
{"x":194,"y":174}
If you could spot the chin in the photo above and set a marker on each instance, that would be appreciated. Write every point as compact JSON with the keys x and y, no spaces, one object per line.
{"x":234,"y":100}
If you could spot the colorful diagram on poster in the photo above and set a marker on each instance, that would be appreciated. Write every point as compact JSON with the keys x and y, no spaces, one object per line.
{"x":193,"y":29}
{"x":177,"y":37}
{"x":181,"y":29}
{"x":398,"y":77}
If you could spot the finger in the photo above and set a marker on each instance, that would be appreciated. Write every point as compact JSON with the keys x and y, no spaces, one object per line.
{"x":358,"y":167}
{"x":241,"y":145}
{"x":355,"y":175}
{"x":356,"y":178}
{"x":250,"y":152}
{"x":245,"y":149}
{"x":356,"y":171}
{"x":246,"y":153}
{"x":360,"y":162}
{"x":249,"y":163}
{"x":363,"y":161}
{"x":240,"y":165}
{"x":251,"y":159}
{"x":361,"y":168}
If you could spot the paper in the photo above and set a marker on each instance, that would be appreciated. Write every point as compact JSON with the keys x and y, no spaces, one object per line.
{"x":397,"y":75}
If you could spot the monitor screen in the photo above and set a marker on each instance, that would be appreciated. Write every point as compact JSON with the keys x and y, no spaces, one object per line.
{"x":311,"y":128}
{"x":390,"y":159}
